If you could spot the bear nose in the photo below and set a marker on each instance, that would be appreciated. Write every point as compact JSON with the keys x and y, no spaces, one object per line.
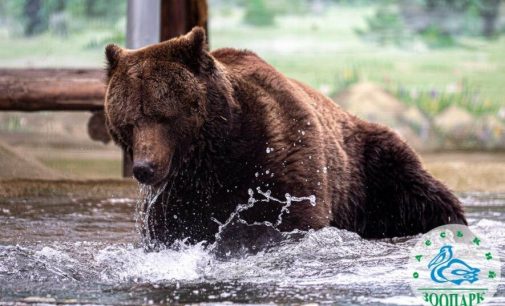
{"x":143,"y":171}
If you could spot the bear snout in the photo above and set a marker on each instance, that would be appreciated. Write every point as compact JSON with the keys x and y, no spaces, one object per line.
{"x":143,"y":171}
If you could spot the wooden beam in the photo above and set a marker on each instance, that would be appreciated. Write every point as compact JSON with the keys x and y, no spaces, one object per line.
{"x":179,"y":16}
{"x":51,"y":89}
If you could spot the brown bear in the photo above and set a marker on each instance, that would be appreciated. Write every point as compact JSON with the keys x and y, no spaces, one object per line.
{"x":209,"y":129}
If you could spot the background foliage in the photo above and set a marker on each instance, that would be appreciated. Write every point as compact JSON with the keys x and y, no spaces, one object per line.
{"x":442,"y":58}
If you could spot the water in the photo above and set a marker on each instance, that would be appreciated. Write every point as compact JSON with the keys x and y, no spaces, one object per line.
{"x":61,"y":250}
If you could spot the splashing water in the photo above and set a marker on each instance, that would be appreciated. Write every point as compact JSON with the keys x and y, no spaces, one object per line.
{"x":267,"y":198}
{"x":88,"y":251}
{"x":262,"y":233}
{"x":149,"y":196}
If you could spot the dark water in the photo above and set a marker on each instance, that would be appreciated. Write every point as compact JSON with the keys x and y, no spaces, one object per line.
{"x":61,"y":250}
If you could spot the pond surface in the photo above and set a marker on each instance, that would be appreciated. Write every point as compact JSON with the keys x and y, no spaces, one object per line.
{"x":61,"y":250}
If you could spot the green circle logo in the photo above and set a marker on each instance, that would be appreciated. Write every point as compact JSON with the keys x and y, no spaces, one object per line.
{"x":453,"y":266}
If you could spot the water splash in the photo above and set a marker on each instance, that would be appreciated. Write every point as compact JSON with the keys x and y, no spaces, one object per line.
{"x":131,"y":264}
{"x":237,"y":237}
{"x":99,"y":267}
{"x":267,"y":198}
{"x":150,"y":195}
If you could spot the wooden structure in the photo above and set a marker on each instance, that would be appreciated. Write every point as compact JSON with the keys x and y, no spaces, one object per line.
{"x":83,"y":89}
{"x":51,"y":89}
{"x":183,"y":16}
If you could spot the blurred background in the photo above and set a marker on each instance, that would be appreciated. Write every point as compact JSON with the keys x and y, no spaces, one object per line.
{"x":434,"y":70}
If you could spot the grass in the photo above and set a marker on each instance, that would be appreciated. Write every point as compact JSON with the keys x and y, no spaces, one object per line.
{"x":49,"y":51}
{"x":89,"y":168}
{"x":316,"y":49}
{"x":432,"y":102}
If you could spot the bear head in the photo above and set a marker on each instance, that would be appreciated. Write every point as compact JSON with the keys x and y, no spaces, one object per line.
{"x":155,"y":102}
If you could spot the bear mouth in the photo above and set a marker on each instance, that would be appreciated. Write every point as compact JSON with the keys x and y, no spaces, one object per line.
{"x":157,"y":180}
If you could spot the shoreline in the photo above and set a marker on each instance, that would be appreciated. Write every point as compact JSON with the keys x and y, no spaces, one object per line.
{"x":462,"y":172}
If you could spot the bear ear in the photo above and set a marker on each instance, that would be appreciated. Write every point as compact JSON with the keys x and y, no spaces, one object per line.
{"x":112,"y":54}
{"x":197,"y":39}
{"x":194,"y":50}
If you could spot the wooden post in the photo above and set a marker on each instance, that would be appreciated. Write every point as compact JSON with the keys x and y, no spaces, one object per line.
{"x":179,"y":16}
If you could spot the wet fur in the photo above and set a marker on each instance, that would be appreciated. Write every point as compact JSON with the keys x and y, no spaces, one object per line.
{"x":229,"y":106}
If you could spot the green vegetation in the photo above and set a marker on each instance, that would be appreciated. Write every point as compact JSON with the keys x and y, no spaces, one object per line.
{"x":385,"y":27}
{"x":258,"y":14}
{"x":438,"y":23}
{"x":319,"y":47}
{"x":434,"y":37}
{"x":433,"y":102}
{"x":60,"y":17}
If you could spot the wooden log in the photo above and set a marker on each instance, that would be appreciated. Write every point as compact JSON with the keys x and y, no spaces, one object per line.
{"x":51,"y":89}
